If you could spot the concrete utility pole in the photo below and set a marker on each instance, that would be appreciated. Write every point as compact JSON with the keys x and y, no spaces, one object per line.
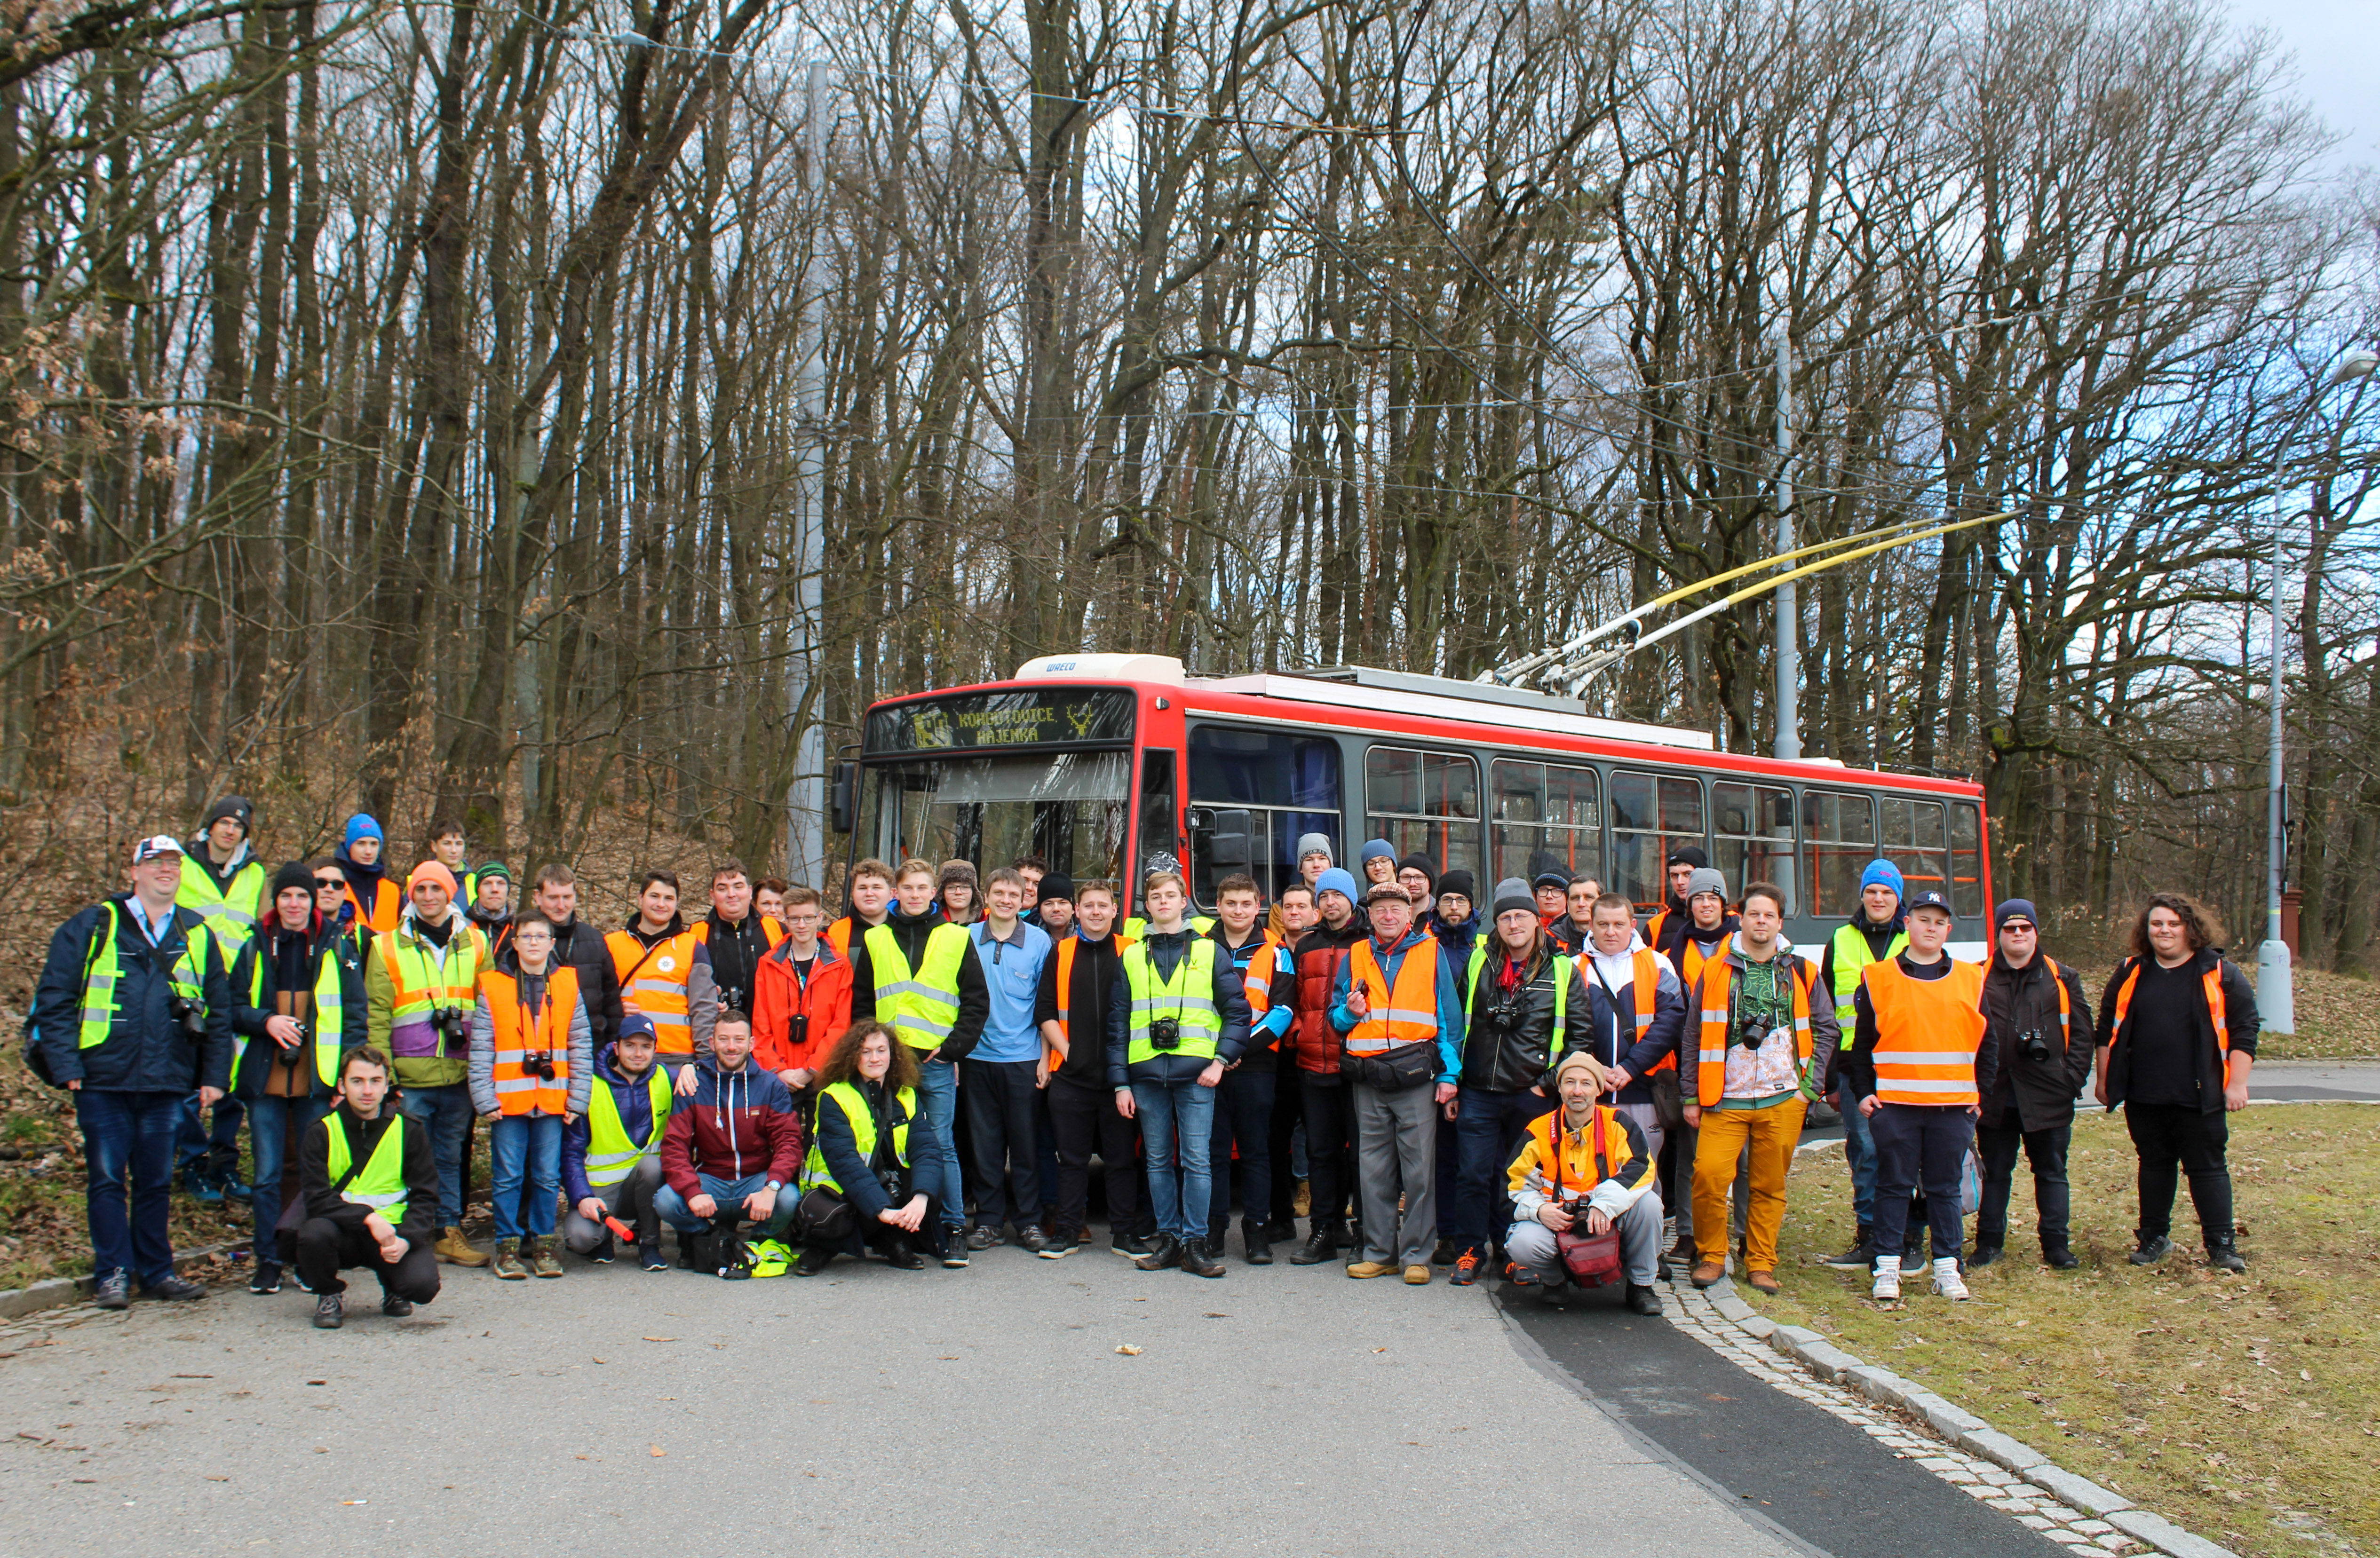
{"x":806,"y":799}
{"x":1789,"y":654}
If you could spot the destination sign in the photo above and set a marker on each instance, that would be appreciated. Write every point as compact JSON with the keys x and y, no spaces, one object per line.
{"x":971,"y":721}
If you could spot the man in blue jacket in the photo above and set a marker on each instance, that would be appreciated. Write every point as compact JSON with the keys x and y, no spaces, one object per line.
{"x":132,"y":1012}
{"x":616,"y":1179}
{"x":1401,"y":1014}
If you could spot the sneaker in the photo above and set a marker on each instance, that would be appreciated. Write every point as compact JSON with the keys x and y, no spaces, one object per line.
{"x":508,"y":1265}
{"x":983,"y":1235}
{"x":329,"y":1312}
{"x":2152,"y":1250}
{"x":114,"y":1290}
{"x":604,"y":1253}
{"x":1886,"y":1286}
{"x":1947,"y":1283}
{"x":650,"y":1256}
{"x":1416,"y":1275}
{"x":1643,"y":1301}
{"x":1031,"y":1236}
{"x":203,"y":1190}
{"x":1520,"y":1276}
{"x":2058,"y":1258}
{"x":237,"y":1189}
{"x":1445,"y":1254}
{"x":2225,"y":1257}
{"x":955,"y":1254}
{"x":1985,"y":1254}
{"x":1858,"y":1257}
{"x":1132,"y":1247}
{"x":395,"y":1307}
{"x":266,"y":1278}
{"x":1060,"y":1245}
{"x":177,"y":1290}
{"x":541,"y":1258}
{"x":1364,"y":1270}
{"x":1466,"y":1269}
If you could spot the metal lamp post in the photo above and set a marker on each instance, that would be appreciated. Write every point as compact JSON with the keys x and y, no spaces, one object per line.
{"x":2275,"y":995}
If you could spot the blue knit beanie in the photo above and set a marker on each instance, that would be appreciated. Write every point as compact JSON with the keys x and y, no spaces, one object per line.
{"x":1377,"y":849}
{"x":1336,"y":880}
{"x":361,"y":825}
{"x":1883,"y":873}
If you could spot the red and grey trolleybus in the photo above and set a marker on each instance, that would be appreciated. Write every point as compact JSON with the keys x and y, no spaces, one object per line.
{"x":1097,"y":763}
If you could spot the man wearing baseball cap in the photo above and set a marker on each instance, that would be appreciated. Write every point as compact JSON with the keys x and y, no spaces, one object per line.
{"x":133,"y":1012}
{"x":2041,"y":1026}
{"x":1921,"y":1063}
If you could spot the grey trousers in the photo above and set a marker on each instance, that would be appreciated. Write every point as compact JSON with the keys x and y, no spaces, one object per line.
{"x":631,"y":1200}
{"x":1396,"y":1152}
{"x":1531,"y":1244}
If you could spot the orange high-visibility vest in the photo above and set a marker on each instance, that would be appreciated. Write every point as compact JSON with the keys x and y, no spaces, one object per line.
{"x":387,"y":905}
{"x":652,"y":980}
{"x":1927,"y":1032}
{"x":1066,"y":993}
{"x":1718,"y":984}
{"x":769,"y":927}
{"x":520,"y":1034}
{"x":2212,"y":980}
{"x":1693,"y":959}
{"x":1405,"y":1015}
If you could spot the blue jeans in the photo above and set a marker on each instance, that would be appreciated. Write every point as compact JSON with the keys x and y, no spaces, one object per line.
{"x":729,"y":1194}
{"x":1859,"y":1149}
{"x":938,"y":1080}
{"x":1176,"y":1114}
{"x":445,"y":1114}
{"x":268,"y":1127}
{"x":127,"y":1146}
{"x":1488,"y":1128}
{"x":1243,"y":1111}
{"x":210,"y":1149}
{"x":530,"y":1146}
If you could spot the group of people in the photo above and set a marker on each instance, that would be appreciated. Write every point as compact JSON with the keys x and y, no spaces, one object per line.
{"x":1546,"y":1088}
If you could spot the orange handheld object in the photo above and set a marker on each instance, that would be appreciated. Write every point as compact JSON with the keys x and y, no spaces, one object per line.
{"x":620,"y":1229}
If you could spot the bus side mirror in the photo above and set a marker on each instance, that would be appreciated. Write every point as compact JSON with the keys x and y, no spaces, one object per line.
{"x":1227,"y":840}
{"x":844,"y":807}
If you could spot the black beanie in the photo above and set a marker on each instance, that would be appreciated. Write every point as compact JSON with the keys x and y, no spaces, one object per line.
{"x":1689,"y":854}
{"x":1458,"y":882}
{"x":240,"y":809}
{"x":295,"y":873}
{"x":1421,"y":863}
{"x":1057,"y":884}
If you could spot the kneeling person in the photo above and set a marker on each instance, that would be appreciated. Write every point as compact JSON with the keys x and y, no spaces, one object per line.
{"x":873,"y":1148}
{"x":1585,"y":1167}
{"x":731,"y":1149}
{"x":371,"y":1190}
{"x":612,"y":1155}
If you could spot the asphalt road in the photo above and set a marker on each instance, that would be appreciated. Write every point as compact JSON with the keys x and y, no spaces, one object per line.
{"x":985,"y":1411}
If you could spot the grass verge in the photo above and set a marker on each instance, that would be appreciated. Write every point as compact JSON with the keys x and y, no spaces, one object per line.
{"x":2247,"y":1408}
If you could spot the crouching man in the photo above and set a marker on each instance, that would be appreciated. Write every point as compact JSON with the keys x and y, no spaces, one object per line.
{"x":1584,"y":1168}
{"x":372,"y":1193}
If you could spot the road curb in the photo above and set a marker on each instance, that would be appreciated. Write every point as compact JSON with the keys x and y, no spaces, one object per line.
{"x":1959,"y":1427}
{"x":59,"y":1291}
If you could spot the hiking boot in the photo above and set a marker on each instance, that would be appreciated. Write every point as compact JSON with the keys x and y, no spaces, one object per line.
{"x":395,"y":1307}
{"x":508,"y":1262}
{"x":900,"y":1255}
{"x":1281,"y":1230}
{"x":1643,"y":1301}
{"x":114,"y":1290}
{"x":456,"y":1251}
{"x":329,"y":1312}
{"x":2225,"y":1257}
{"x":1416,"y":1275}
{"x":541,"y":1258}
{"x":1163,"y":1253}
{"x":650,"y":1256}
{"x":1886,"y":1289}
{"x":983,"y":1235}
{"x":176,"y":1290}
{"x":1761,"y":1282}
{"x":2059,"y":1259}
{"x":1947,"y":1281}
{"x":1362,"y":1270}
{"x":1708,"y":1272}
{"x":1859,"y":1257}
{"x":1684,"y":1250}
{"x":1984,"y":1254}
{"x":1320,"y":1245}
{"x":1197,"y":1262}
{"x":1466,"y":1269}
{"x":266,"y":1278}
{"x":2152,"y":1250}
{"x":1444,"y":1255}
{"x":1031,"y":1236}
{"x":1253,"y":1234}
{"x":1060,"y":1245}
{"x":814,"y":1260}
{"x":1300,"y":1201}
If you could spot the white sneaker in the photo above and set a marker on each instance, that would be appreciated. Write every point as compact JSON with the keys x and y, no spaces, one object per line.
{"x":1946,"y":1282}
{"x":1888,"y":1280}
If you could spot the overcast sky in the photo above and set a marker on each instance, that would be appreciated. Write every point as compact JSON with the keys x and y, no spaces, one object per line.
{"x":2337,"y":47}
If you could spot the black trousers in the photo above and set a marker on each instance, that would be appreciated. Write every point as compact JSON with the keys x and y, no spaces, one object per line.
{"x":1004,"y":1159}
{"x":1085,"y":1122}
{"x":2046,"y":1150}
{"x":1920,"y":1147}
{"x":2171,"y":1136}
{"x":1329,"y":1146}
{"x":326,"y":1248}
{"x":1242,"y":1114}
{"x":1288,"y":1109}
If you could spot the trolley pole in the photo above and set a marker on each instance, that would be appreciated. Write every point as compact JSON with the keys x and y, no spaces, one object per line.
{"x":1789,"y":654}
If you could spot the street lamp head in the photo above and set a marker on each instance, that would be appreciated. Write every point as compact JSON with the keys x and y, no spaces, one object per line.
{"x":2357,"y":364}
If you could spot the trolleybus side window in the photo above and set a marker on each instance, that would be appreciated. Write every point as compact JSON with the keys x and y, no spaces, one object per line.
{"x":1288,"y":785}
{"x":1426,"y":802}
{"x":1651,"y":815}
{"x":1966,"y":859}
{"x":1914,"y":838}
{"x":1548,"y":817}
{"x":1839,"y":834}
{"x":1752,"y":837}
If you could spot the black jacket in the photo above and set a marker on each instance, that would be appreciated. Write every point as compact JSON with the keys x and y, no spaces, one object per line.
{"x":582,"y":946}
{"x":1512,"y":1053}
{"x":2018,"y":1001}
{"x":2239,"y":1019}
{"x":1857,"y":1067}
{"x":257,"y":974}
{"x":910,"y":934}
{"x":420,"y":1169}
{"x":145,"y":1050}
{"x":1094,"y":977}
{"x":860,"y":1186}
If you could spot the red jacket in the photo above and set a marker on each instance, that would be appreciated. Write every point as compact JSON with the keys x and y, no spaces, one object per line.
{"x":780,"y":996}
{"x":1319,"y":952}
{"x":736,"y":1125}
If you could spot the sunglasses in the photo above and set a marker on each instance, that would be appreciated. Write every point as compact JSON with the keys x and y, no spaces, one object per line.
{"x":329,"y":885}
{"x":2020,"y":925}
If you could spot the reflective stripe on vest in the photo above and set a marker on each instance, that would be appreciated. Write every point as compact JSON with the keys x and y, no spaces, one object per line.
{"x":1188,"y":998}
{"x":653,"y":981}
{"x":381,"y":1186}
{"x":453,"y":983}
{"x":520,"y":1091}
{"x":922,"y":1005}
{"x":1405,"y":1013}
{"x":388,"y":907}
{"x":1564,"y":968}
{"x":1718,"y":1024}
{"x":2212,"y":980}
{"x":854,"y":1105}
{"x":1927,"y":1032}
{"x":610,"y":1155}
{"x":1851,"y":956}
{"x":228,"y":912}
{"x":185,"y":976}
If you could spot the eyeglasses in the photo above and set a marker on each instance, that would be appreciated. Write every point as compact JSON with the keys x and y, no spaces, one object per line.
{"x":329,"y":885}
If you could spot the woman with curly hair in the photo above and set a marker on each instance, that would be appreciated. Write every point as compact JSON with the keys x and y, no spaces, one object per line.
{"x":873,"y":1150}
{"x":960,"y":893}
{"x":2177,"y":1040}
